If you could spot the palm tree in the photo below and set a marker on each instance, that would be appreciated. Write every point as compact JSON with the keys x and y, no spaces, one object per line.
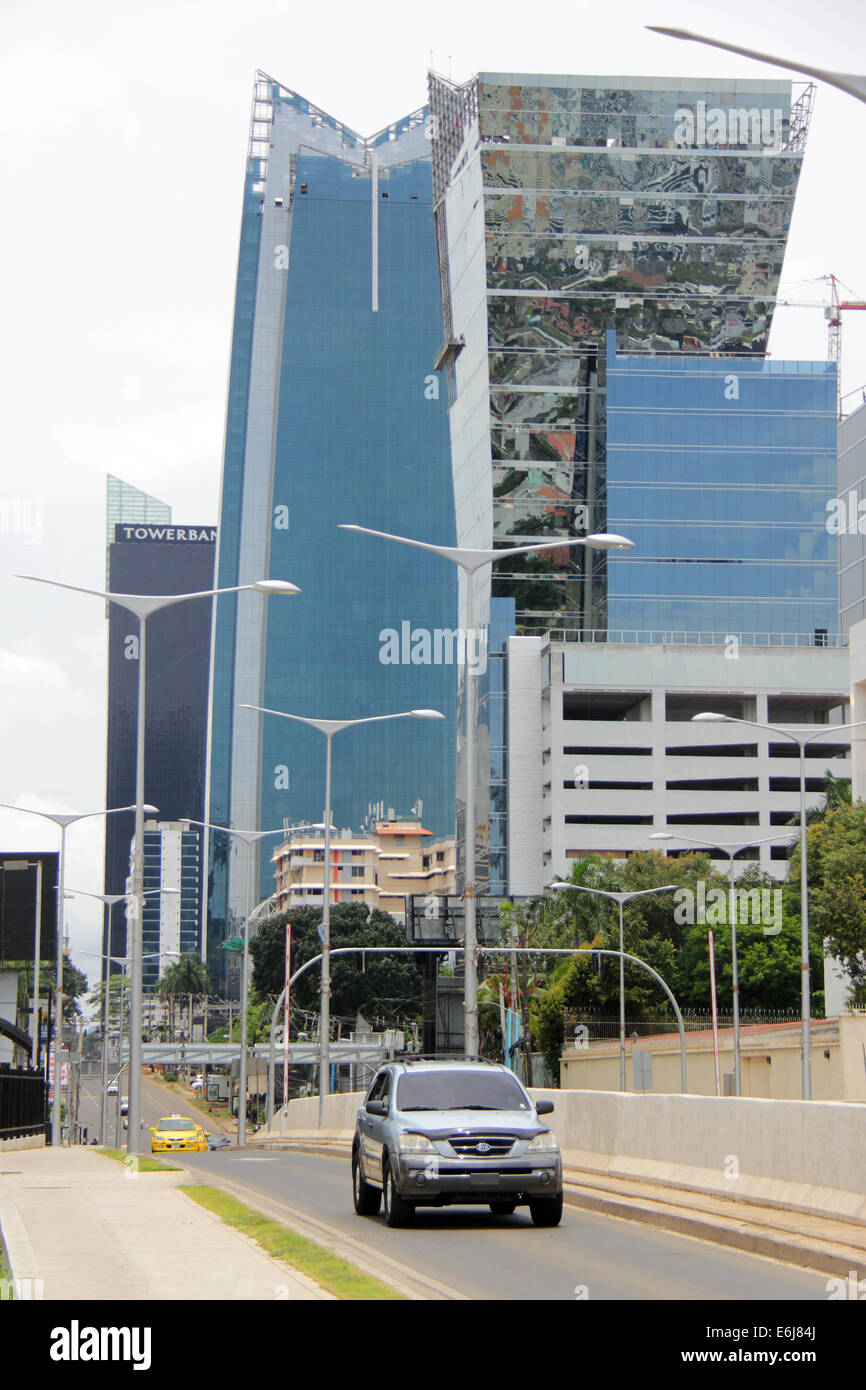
{"x":188,"y":979}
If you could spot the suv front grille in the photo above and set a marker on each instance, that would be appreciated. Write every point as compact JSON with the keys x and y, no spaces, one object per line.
{"x":482,"y":1145}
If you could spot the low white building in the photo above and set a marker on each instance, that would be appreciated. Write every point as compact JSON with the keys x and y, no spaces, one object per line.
{"x":602,"y":750}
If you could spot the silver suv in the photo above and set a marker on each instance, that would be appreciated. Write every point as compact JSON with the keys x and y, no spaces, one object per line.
{"x":435,"y":1133}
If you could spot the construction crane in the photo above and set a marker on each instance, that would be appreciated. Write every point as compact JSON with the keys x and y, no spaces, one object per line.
{"x":833,"y":314}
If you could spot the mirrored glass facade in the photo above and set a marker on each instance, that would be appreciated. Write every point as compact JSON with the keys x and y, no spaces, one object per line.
{"x":335,"y":414}
{"x":572,"y":213}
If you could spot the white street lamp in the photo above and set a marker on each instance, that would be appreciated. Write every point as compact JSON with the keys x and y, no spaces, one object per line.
{"x":109,"y":900}
{"x":470,"y":561}
{"x":621,"y":899}
{"x":143,"y":606}
{"x":852,"y":83}
{"x":710,"y":717}
{"x":730,"y":849}
{"x":249,"y":838}
{"x":329,"y":727}
{"x":63,"y":821}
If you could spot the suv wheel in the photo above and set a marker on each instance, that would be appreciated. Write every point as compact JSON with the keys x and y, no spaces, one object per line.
{"x":367,"y":1199}
{"x":398,"y":1212}
{"x":546,"y":1211}
{"x":503,"y":1208}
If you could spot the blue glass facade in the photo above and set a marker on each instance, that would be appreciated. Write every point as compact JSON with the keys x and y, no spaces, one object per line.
{"x":719,"y":470}
{"x":335,"y":414}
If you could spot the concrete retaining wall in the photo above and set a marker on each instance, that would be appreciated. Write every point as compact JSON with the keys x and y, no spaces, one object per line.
{"x":814,"y":1143}
{"x":25,"y":1141}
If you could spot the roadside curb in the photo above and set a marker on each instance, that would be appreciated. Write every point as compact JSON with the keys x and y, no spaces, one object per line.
{"x":824,"y":1258}
{"x":416,"y":1287}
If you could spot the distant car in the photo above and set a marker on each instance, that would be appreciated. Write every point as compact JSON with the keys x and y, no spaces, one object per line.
{"x":218,"y":1141}
{"x":178,"y":1132}
{"x":112,"y":1088}
{"x":124,"y":1105}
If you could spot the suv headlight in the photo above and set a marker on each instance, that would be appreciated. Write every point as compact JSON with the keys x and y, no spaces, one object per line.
{"x":544,"y":1143}
{"x":415,"y":1144}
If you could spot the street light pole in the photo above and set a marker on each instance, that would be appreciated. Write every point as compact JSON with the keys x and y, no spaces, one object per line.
{"x":730,"y":850}
{"x":852,"y":83}
{"x":250,"y":838}
{"x":329,"y":727}
{"x":710,"y":717}
{"x":63,"y":821}
{"x":621,"y":899}
{"x":109,"y":901}
{"x":143,"y":606}
{"x":470,"y":561}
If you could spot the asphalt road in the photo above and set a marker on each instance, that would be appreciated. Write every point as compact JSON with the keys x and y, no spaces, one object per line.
{"x":483,"y":1257}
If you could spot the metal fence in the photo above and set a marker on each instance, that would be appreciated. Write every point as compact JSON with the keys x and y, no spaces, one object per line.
{"x":601,"y":1027}
{"x":22,"y":1102}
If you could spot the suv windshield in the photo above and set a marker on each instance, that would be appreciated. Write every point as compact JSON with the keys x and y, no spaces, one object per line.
{"x":459,"y":1090}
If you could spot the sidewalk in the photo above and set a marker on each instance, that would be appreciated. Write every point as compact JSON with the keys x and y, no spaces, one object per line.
{"x":88,"y":1228}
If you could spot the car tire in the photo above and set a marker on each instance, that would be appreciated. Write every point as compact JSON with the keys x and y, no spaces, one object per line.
{"x":367,"y":1199}
{"x":546,"y":1211}
{"x":398,"y":1212}
{"x":503,"y":1208}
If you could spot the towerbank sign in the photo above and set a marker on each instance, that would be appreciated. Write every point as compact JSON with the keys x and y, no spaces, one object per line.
{"x":732,"y":125}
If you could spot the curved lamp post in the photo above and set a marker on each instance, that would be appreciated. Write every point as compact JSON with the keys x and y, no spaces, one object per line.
{"x":329,"y":727}
{"x":144,"y":606}
{"x":470,"y":561}
{"x":621,"y":899}
{"x":710,"y":717}
{"x":490,"y":950}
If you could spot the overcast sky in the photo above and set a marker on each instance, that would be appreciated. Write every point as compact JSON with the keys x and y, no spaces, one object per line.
{"x":124,"y":133}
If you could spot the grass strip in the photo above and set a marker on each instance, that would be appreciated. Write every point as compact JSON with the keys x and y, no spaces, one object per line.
{"x":332,"y":1273}
{"x":7,"y":1287}
{"x":143,"y":1164}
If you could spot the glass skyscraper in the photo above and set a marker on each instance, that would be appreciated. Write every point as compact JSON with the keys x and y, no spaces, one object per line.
{"x":610,"y":251}
{"x":156,"y":559}
{"x":335,"y":414}
{"x":576,"y":212}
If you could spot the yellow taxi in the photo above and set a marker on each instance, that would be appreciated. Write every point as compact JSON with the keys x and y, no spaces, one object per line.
{"x":178,"y":1132}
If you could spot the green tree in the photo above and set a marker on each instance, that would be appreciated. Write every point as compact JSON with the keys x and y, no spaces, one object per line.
{"x":383,"y":986}
{"x":837,"y":885}
{"x":189,"y":979}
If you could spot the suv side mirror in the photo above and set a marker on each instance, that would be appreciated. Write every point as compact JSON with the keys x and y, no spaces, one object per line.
{"x":376,"y":1107}
{"x":544,"y":1107}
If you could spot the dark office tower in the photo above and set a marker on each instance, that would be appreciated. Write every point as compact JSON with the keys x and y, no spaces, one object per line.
{"x":577,"y":215}
{"x":157,"y":559}
{"x":335,"y":414}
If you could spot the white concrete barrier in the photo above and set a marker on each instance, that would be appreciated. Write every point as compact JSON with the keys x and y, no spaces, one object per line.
{"x":809,"y":1143}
